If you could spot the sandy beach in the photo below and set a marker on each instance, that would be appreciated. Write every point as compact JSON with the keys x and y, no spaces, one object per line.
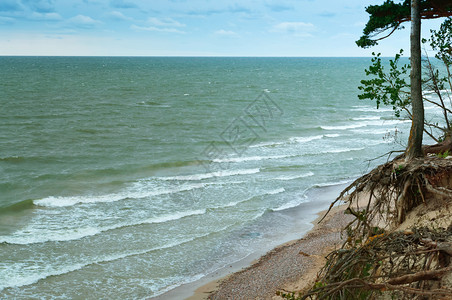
{"x":292,"y":266}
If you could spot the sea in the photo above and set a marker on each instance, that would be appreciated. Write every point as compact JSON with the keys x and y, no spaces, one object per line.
{"x":128,"y":177}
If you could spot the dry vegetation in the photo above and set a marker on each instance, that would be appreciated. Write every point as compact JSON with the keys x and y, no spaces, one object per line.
{"x":399,"y":244}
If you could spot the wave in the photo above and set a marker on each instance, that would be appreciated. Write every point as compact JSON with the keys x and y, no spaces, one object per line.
{"x":434,"y":92}
{"x":341,"y":150}
{"x":291,"y":204}
{"x":305,"y":139}
{"x":371,"y":109}
{"x":373,"y":131}
{"x":296,"y":139}
{"x":12,"y":159}
{"x":343,"y":127}
{"x":367,"y":118}
{"x":42,"y":274}
{"x":212,"y":174}
{"x":27,"y":236}
{"x":277,"y":191}
{"x":250,"y":158}
{"x":19,"y":206}
{"x":267,"y":144}
{"x":153,"y":104}
{"x":365,"y":123}
{"x":235,"y":203}
{"x":327,"y":184}
{"x":288,"y":177}
{"x":12,"y":281}
{"x":59,"y":201}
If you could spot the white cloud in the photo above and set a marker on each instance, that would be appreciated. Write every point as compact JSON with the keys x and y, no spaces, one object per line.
{"x":84,"y":21}
{"x":122,"y":4}
{"x":117,"y":15}
{"x":6,"y":20}
{"x":46,"y":16}
{"x":161,"y":25}
{"x":296,"y":28}
{"x":166,"y":22}
{"x":157,"y":29}
{"x":225,"y":32}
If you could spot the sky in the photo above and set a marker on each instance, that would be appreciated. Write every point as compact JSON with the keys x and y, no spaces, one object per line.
{"x":190,"y":28}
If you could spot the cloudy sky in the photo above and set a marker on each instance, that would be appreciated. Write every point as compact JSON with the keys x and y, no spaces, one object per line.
{"x":189,"y":28}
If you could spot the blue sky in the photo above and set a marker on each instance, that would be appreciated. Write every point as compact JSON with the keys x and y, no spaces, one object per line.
{"x":189,"y":28}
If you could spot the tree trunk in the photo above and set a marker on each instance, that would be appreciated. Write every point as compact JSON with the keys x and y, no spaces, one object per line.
{"x":414,"y":148}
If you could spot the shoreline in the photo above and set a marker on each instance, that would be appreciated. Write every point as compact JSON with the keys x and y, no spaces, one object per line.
{"x":292,"y":266}
{"x":284,"y":258}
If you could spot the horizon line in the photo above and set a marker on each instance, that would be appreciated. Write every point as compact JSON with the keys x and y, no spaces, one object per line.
{"x":188,"y":56}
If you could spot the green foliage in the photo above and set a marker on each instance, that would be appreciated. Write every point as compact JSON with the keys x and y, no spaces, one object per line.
{"x":289,"y":295}
{"x":383,"y":17}
{"x":399,"y":169}
{"x":388,"y":88}
{"x":390,"y":85}
{"x":441,"y":42}
{"x":390,"y":16}
{"x":444,"y":154}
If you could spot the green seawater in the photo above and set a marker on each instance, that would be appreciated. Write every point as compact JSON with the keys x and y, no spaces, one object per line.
{"x":127,"y":177}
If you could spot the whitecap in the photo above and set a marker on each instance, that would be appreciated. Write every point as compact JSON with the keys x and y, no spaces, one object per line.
{"x":276,"y":191}
{"x":201,"y":176}
{"x":367,"y":118}
{"x":37,"y":274}
{"x":29,"y":236}
{"x":342,"y":150}
{"x":250,"y":158}
{"x":291,"y":204}
{"x":266,"y":144}
{"x":305,"y":139}
{"x":344,"y":127}
{"x":61,"y":201}
{"x":292,"y":177}
{"x":372,"y":109}
{"x":327,"y":184}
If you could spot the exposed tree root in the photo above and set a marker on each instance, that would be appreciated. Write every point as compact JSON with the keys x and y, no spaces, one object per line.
{"x":373,"y":260}
{"x":405,"y":264}
{"x":394,"y":189}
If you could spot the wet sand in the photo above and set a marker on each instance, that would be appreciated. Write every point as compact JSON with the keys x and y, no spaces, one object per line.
{"x":290,"y":267}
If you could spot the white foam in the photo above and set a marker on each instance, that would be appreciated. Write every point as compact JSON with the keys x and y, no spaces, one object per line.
{"x":291,"y":204}
{"x":327,"y":184}
{"x":235,"y":203}
{"x":434,"y":92}
{"x":59,"y":201}
{"x":294,"y":176}
{"x":249,"y":158}
{"x":367,"y":118}
{"x":225,"y":173}
{"x":372,"y":109}
{"x":31,"y":236}
{"x":35,"y":273}
{"x":332,"y":135}
{"x":277,"y":191}
{"x":375,"y":131}
{"x":342,"y":150}
{"x":344,"y":127}
{"x":365,"y":123}
{"x":305,"y":139}
{"x":267,"y":144}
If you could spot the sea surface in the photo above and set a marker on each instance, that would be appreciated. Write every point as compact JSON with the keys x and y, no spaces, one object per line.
{"x":124,"y":178}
